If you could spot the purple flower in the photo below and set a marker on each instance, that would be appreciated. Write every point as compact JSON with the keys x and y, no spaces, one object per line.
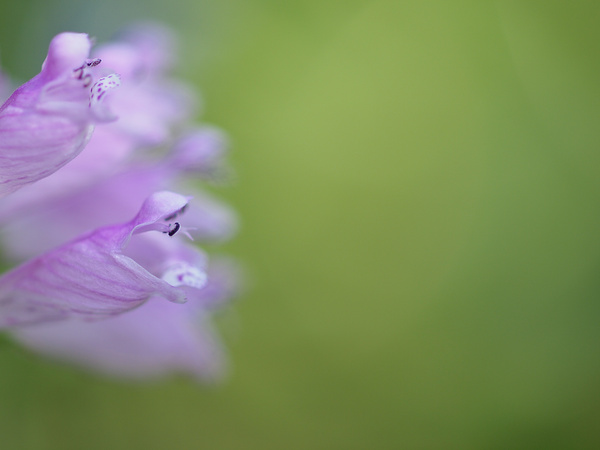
{"x":112,"y":299}
{"x":47,"y":121}
{"x":91,"y":277}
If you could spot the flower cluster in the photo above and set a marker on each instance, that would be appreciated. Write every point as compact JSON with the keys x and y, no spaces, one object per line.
{"x":92,"y":152}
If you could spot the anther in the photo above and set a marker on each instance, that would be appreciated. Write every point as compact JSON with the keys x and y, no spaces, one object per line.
{"x":81,"y":70}
{"x":175,"y":229}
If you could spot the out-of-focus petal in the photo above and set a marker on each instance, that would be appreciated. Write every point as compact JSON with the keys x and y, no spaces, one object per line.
{"x":225,"y":280}
{"x":200,"y":151}
{"x":211,"y":219}
{"x":150,"y":102}
{"x":148,"y":342}
{"x":155,"y":42}
{"x":90,"y":277}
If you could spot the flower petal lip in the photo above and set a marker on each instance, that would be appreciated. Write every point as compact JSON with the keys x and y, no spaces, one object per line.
{"x":90,"y":278}
{"x":48,"y":121}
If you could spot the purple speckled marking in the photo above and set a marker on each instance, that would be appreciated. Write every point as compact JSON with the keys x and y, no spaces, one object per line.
{"x":102,"y":86}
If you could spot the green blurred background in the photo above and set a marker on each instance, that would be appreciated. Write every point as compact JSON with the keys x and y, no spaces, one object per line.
{"x":419,"y":193}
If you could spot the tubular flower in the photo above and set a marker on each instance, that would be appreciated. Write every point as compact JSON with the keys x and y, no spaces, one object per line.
{"x":90,"y":277}
{"x":47,"y":121}
{"x":131,"y":299}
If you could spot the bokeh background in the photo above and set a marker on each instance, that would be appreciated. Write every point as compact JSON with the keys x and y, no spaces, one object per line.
{"x":419,"y":193}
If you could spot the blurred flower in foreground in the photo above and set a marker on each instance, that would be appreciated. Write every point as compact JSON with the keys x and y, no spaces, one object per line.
{"x":106,"y":279}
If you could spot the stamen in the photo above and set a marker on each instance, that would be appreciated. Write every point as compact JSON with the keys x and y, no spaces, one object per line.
{"x":175,"y":229}
{"x":82,"y":75}
{"x":93,"y":62}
